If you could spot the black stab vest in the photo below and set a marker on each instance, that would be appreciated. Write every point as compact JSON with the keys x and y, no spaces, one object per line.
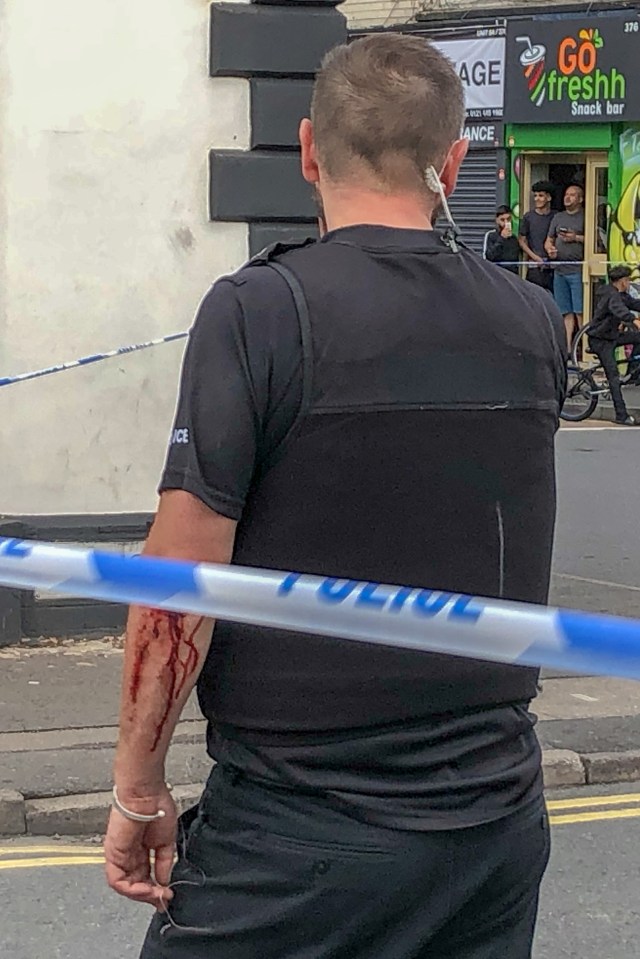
{"x":423,"y":455}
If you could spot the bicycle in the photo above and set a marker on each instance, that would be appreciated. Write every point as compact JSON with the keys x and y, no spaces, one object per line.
{"x":580,"y":344}
{"x":586,"y":385}
{"x":583,"y":393}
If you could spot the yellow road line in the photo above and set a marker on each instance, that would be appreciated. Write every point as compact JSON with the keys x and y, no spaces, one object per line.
{"x":62,"y":850}
{"x":38,"y":857}
{"x":589,"y":801}
{"x":595,"y":816}
{"x":59,"y":861}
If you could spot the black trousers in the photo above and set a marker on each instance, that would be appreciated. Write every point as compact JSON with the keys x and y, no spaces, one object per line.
{"x":267,"y":874}
{"x":605,"y":351}
{"x":540,"y":277}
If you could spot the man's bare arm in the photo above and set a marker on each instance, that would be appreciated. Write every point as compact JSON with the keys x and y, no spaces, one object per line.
{"x":526,"y":249}
{"x":164,"y":651}
{"x":164,"y":654}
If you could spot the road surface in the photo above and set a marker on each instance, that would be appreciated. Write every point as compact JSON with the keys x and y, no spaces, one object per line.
{"x":55,"y":903}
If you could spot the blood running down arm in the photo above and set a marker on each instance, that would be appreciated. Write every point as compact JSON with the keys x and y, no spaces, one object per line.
{"x":165,"y":651}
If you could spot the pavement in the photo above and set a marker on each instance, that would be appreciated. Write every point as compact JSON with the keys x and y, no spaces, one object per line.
{"x":58,"y":728}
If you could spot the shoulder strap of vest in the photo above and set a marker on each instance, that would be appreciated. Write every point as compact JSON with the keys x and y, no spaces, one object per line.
{"x":304,"y":321}
{"x":274,"y":250}
{"x":270,"y":257}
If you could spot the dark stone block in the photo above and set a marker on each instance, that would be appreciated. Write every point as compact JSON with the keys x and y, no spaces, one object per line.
{"x":14,"y":527}
{"x":258,"y":186}
{"x":61,"y":617}
{"x":10,"y":616}
{"x":78,"y":528}
{"x":264,"y":234}
{"x":272,"y":40}
{"x":21,"y":615}
{"x":277,"y":107}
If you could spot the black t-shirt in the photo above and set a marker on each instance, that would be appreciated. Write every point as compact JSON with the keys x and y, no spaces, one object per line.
{"x":426,"y":457}
{"x":240,"y":389}
{"x":534,"y":227}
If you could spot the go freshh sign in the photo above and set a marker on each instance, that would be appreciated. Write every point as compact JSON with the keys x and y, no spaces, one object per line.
{"x":583,"y":69}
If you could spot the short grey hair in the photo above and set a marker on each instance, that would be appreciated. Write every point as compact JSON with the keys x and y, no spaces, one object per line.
{"x":391,"y":103}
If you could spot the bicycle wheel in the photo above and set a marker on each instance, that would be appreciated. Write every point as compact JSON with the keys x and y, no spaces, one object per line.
{"x":581,"y":397}
{"x":580,"y":344}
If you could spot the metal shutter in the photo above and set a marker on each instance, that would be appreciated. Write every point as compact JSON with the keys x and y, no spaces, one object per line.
{"x":474,"y":202}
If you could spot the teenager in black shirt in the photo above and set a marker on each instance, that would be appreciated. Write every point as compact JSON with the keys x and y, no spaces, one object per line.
{"x":533,"y":232}
{"x":378,"y":405}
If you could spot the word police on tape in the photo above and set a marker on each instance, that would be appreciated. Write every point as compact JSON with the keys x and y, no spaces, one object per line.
{"x":404,"y":616}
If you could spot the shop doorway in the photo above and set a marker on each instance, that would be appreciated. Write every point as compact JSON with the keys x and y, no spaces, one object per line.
{"x":590,"y":171}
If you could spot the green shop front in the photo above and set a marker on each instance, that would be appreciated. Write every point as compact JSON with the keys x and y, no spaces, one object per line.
{"x":572,"y":115}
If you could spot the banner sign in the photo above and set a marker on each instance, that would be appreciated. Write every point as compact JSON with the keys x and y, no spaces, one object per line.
{"x":583,"y":69}
{"x":484,"y":134}
{"x":479,"y":62}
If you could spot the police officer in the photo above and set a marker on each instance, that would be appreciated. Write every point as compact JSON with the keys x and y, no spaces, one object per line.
{"x":379,"y":405}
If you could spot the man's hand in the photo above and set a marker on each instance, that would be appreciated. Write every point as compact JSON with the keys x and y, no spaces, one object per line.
{"x":506,"y":231}
{"x":536,"y":259}
{"x":163,"y":656}
{"x":570,"y":236}
{"x":128,"y":847}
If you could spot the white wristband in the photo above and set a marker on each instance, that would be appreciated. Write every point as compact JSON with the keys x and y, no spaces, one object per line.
{"x":135,"y":816}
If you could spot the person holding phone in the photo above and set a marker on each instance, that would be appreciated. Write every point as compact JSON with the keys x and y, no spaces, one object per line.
{"x":565,"y":243}
{"x":501,"y":245}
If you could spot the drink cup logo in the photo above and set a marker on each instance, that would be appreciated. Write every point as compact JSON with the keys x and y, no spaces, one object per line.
{"x":533,"y":61}
{"x":573,"y":75}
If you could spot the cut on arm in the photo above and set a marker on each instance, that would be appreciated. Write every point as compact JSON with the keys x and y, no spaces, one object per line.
{"x":236,"y":399}
{"x":165,"y":651}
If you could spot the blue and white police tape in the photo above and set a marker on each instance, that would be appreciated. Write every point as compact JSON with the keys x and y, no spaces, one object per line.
{"x":86,"y":360}
{"x":403,"y":616}
{"x":550,"y":264}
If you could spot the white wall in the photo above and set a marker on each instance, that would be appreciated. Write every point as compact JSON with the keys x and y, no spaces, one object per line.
{"x":106,"y":118}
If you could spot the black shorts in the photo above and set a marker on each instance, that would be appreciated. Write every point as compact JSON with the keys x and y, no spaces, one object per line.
{"x":266,"y":874}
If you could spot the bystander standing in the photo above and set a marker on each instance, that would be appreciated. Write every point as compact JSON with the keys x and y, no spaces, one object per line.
{"x":500,"y":244}
{"x":565,"y":243}
{"x":532,"y":235}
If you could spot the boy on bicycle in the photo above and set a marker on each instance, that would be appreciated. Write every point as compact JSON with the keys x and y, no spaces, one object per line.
{"x":615,"y":325}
